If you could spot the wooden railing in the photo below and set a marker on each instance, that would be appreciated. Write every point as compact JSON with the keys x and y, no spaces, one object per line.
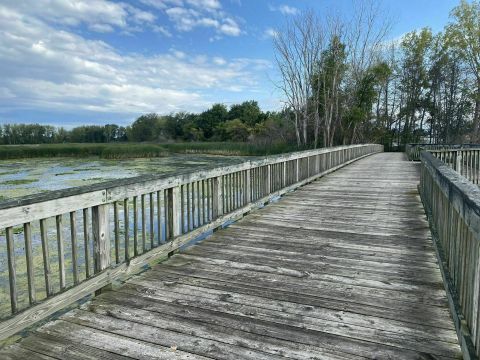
{"x":78,"y":241}
{"x":452,"y":203}
{"x":413,"y":150}
{"x":464,"y":161}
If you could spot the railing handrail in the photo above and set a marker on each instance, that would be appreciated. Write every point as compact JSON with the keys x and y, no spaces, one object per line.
{"x":464,"y":195}
{"x":168,"y":179}
{"x":452,"y":204}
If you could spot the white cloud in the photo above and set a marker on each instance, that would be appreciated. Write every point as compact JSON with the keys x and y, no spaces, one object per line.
{"x":186,"y":19}
{"x":47,"y":68}
{"x":205,"y":4}
{"x":162,"y":4}
{"x":269,"y":33}
{"x":191,"y":14}
{"x":219,"y":60}
{"x":285,"y":9}
{"x":230,"y":27}
{"x":98,"y":15}
{"x":161,"y":30}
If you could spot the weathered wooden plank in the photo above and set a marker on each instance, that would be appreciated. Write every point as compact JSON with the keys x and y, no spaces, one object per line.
{"x":212,"y":325}
{"x":32,"y":211}
{"x":183,"y":342}
{"x":61,"y":348}
{"x":16,"y":352}
{"x":120,"y":345}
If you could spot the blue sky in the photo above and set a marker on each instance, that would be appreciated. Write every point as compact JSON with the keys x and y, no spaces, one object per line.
{"x":73,"y":62}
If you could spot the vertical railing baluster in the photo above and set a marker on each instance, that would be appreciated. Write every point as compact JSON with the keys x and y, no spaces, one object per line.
{"x":46,"y":258}
{"x":126,"y":229}
{"x":144,"y":224}
{"x":199,"y":210}
{"x":167,"y":215}
{"x":61,"y":251}
{"x":152,"y":220}
{"x":189,"y":209}
{"x":204,"y":220}
{"x":209,"y":204}
{"x":135,"y":226}
{"x":116,"y":231}
{"x":194,"y":208}
{"x":182,"y":209}
{"x":12,"y":276}
{"x":27,"y":233}
{"x":86,"y":242}
{"x":73,"y":238}
{"x":159,"y":217}
{"x":217,"y":197}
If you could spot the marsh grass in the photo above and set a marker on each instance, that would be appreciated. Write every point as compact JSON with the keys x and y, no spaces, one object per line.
{"x":230,"y":148}
{"x":19,"y":182}
{"x":136,"y":150}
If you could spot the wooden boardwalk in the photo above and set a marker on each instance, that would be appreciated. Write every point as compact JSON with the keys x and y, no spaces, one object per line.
{"x":343,"y":268}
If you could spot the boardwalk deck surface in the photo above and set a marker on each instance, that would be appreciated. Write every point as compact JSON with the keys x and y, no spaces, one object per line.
{"x":342,"y":268}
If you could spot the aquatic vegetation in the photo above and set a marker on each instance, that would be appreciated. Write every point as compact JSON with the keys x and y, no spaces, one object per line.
{"x":19,"y":182}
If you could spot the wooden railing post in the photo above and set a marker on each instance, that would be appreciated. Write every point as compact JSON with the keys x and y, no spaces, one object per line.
{"x":101,"y":240}
{"x":217,"y":197}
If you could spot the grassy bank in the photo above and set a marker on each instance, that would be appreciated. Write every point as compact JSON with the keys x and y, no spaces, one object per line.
{"x":136,"y":150}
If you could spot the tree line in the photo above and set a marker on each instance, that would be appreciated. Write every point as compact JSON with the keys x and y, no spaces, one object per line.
{"x":238,"y":123}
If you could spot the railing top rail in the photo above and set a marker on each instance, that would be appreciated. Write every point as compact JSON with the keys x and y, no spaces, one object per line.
{"x":445,"y":145}
{"x":462,"y":193}
{"x":164,"y":180}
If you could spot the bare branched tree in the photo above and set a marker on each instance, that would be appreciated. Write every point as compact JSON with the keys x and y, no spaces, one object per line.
{"x":297,"y":51}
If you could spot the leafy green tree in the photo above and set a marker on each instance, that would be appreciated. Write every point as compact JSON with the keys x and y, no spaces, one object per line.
{"x":465,"y":37}
{"x":247,"y":112}
{"x":416,"y":46}
{"x":208,"y":120}
{"x":145,"y":128}
{"x":233,"y":130}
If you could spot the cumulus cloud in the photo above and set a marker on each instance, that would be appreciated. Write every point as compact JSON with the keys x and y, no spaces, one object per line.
{"x":269,"y":33}
{"x":98,"y":15}
{"x":52,"y":68}
{"x":191,"y":14}
{"x":285,"y":9}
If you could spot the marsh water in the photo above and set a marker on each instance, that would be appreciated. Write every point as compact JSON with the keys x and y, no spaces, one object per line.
{"x":30,"y":176}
